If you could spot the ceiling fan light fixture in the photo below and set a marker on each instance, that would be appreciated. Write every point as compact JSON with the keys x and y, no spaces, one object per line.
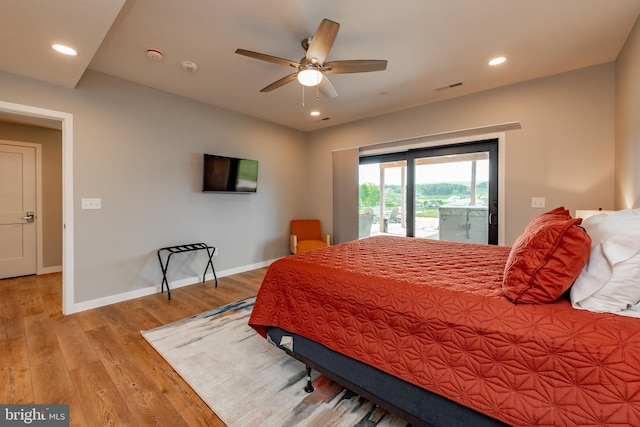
{"x":312,"y":67}
{"x":309,"y":76}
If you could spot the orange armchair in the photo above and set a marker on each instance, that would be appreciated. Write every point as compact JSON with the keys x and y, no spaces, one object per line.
{"x":306,"y":235}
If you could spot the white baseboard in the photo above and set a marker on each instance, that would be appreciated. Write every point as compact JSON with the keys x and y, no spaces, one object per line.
{"x":112,"y":299}
{"x":49,"y":270}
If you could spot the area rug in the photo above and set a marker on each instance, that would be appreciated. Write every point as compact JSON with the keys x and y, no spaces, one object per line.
{"x":248,"y":382}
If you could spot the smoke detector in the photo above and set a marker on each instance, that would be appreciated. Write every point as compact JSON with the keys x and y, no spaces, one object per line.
{"x":189,"y":66}
{"x":154,"y":54}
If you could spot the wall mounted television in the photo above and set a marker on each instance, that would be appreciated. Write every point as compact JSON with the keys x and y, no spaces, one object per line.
{"x":229,"y":174}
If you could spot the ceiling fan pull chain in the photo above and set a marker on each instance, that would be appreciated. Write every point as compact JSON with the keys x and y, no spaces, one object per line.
{"x":302,"y":96}
{"x":318,"y":92}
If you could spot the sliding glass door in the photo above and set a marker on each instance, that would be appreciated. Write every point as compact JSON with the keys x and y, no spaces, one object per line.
{"x":446,"y":193}
{"x":455,"y":192}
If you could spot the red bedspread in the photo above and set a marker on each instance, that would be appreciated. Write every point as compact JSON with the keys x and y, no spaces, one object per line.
{"x":433,"y":314}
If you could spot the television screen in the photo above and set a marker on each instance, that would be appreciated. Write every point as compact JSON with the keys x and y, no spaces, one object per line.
{"x":229,"y":174}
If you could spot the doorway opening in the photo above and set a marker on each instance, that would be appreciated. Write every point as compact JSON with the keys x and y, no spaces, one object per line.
{"x":63,"y":121}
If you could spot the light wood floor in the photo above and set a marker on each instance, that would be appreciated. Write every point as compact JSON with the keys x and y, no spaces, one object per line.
{"x":96,"y":360}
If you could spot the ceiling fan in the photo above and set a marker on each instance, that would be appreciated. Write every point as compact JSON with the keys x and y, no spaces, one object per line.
{"x":312,"y":68}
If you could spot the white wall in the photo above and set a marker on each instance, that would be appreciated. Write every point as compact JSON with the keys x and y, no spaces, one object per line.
{"x":627,"y":186}
{"x":564,"y":150}
{"x":140,"y":151}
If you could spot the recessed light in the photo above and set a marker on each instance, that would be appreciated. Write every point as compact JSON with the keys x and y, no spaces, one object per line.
{"x":497,"y":61}
{"x":315,"y":113}
{"x":65,"y":50}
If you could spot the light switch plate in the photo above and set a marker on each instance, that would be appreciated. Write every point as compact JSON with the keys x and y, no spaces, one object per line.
{"x":91,"y":203}
{"x":538,"y":202}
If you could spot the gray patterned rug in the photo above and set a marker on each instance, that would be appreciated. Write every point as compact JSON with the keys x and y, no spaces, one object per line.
{"x":249,"y":382}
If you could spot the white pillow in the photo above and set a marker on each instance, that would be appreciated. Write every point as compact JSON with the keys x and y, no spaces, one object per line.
{"x":610,"y":282}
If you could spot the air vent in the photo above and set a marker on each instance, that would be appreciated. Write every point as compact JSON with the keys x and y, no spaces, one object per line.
{"x":450,"y":86}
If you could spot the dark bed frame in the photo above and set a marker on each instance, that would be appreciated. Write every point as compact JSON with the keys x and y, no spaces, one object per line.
{"x":417,"y":406}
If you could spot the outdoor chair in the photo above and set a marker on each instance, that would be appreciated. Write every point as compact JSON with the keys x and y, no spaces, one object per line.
{"x":393,"y":216}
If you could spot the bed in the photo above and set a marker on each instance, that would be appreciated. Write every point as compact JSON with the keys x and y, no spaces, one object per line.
{"x":430,"y":330}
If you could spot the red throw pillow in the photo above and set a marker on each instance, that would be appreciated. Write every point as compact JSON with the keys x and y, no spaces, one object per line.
{"x":561,"y":211}
{"x":546,"y":258}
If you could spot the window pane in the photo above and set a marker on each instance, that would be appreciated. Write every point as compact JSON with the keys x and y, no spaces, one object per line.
{"x":451,"y":197}
{"x":383,"y":198}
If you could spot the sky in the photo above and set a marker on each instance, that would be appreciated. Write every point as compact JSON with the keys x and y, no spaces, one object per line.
{"x":442,"y":172}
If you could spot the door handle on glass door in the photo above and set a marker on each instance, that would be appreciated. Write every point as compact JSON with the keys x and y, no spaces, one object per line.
{"x":493,"y":219}
{"x":30,"y":216}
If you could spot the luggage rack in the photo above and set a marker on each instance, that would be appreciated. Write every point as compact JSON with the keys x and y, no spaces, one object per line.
{"x":181,"y":249}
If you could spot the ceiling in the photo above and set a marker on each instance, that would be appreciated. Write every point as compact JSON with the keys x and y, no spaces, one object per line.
{"x":430,"y":44}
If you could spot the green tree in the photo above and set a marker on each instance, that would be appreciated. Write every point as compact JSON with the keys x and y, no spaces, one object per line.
{"x":369,"y":195}
{"x":392,"y":196}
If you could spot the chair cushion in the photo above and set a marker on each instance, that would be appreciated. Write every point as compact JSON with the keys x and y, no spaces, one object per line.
{"x":307,"y":245}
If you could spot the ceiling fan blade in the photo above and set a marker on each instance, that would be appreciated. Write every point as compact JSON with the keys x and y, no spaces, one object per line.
{"x":355,"y":66}
{"x":327,"y":88}
{"x":268,"y":58}
{"x":322,"y":41}
{"x":283,"y":81}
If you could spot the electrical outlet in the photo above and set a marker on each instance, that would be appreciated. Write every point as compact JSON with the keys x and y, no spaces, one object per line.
{"x":538,"y":202}
{"x":91,"y":203}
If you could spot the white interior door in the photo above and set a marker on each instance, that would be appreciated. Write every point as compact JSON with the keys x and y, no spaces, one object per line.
{"x":17,"y":211}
